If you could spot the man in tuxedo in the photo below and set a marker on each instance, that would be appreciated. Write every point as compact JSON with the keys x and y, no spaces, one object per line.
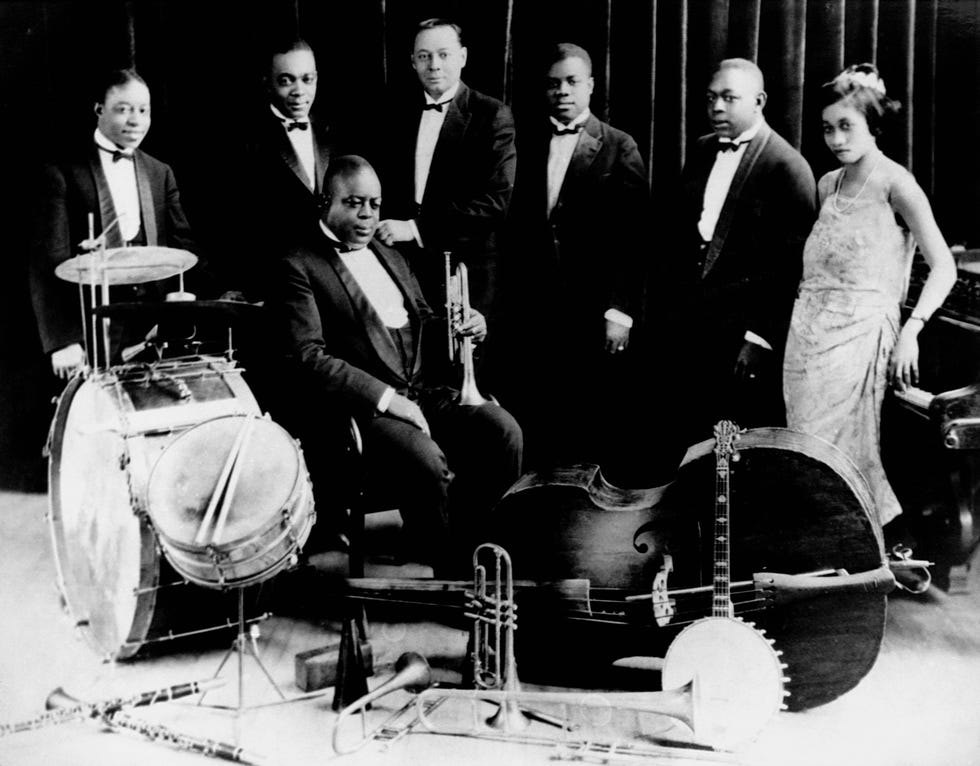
{"x":285,"y":156}
{"x":448,"y":162}
{"x":581,"y":191}
{"x":747,"y":204}
{"x":130,"y":197}
{"x":356,"y":328}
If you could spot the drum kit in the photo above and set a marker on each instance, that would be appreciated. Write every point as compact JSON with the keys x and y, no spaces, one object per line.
{"x":173,"y":457}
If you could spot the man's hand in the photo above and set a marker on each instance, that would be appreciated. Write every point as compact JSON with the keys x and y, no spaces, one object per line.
{"x":750,"y":361}
{"x":617,"y":337}
{"x":475,"y":327}
{"x":66,"y":361}
{"x":403,"y":408}
{"x":391,"y":231}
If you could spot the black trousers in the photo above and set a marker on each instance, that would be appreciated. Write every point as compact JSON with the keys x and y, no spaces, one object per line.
{"x":445,"y":484}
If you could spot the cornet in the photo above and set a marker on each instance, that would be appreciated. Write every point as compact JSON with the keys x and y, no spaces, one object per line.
{"x":461,"y":348}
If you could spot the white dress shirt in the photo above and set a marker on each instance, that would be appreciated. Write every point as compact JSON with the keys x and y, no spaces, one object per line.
{"x":720,"y":181}
{"x":380,"y":290}
{"x":302,"y":141}
{"x":121,"y":177}
{"x":716,"y":192}
{"x":560,"y":153}
{"x":430,"y":124}
{"x":375,"y":281}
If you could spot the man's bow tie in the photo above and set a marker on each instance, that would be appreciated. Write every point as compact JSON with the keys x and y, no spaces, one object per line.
{"x":729,"y":146}
{"x":117,"y":154}
{"x":296,"y":125}
{"x":558,"y":131}
{"x":437,"y":107}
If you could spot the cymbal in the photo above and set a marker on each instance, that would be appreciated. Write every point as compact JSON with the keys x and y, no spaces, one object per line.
{"x":126,"y":265}
{"x":218,"y":312}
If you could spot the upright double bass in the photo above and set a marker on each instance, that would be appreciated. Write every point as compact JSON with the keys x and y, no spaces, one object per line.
{"x":803,"y":509}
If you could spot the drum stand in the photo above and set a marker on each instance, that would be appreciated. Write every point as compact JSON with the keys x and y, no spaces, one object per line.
{"x":244,"y":643}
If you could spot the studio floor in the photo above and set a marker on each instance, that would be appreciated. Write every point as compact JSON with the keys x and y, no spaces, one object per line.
{"x":918,"y":706}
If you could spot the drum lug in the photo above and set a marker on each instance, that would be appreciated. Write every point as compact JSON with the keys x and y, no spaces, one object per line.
{"x":217,"y":557}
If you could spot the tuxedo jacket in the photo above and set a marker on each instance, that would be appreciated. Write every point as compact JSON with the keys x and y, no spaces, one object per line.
{"x":747,"y":276}
{"x":279,"y":204}
{"x":331,"y":333}
{"x":469,"y":186}
{"x":68,"y":192}
{"x":585,"y":253}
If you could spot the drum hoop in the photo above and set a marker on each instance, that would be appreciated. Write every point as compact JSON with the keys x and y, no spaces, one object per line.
{"x":291,"y":499}
{"x":275,"y":520}
{"x":178,"y":553}
{"x":149,"y":574}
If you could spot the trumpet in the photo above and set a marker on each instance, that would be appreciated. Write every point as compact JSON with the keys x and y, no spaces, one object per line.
{"x":494,"y":618}
{"x":461,"y":348}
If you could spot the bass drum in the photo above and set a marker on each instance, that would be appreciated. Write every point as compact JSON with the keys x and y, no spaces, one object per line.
{"x":107,"y":433}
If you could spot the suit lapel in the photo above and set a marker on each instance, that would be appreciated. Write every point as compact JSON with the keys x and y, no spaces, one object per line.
{"x":103,"y":198}
{"x":285,"y":149}
{"x":450,"y":137}
{"x":321,"y":157}
{"x":588,"y":146}
{"x":147,"y":209}
{"x":374,"y":327}
{"x":401,"y":278}
{"x":752,"y":153}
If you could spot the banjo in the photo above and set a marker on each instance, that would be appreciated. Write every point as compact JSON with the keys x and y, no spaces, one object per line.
{"x":738,"y":674}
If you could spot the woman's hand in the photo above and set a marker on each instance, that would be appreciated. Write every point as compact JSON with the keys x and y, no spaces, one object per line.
{"x":903,"y":370}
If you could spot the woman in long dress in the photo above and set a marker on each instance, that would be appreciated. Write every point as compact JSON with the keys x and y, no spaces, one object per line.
{"x":846,"y":341}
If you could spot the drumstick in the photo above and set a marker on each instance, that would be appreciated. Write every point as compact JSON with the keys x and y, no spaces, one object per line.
{"x":220,"y":485}
{"x":219,"y":524}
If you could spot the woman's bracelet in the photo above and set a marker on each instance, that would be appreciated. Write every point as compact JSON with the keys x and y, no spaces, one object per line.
{"x":918,"y":317}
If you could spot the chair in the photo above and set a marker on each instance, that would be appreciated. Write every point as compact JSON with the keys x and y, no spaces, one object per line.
{"x":359,"y":506}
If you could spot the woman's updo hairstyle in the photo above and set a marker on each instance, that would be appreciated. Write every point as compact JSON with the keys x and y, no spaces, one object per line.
{"x":861,"y":87}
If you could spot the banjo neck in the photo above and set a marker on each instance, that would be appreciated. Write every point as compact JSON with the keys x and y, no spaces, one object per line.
{"x":726,"y":433}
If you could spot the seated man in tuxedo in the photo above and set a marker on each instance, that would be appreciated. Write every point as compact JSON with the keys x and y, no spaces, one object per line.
{"x":351,"y":317}
{"x":130,"y":198}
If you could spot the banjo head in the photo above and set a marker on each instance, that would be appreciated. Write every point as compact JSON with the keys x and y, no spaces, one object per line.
{"x":738,"y":679}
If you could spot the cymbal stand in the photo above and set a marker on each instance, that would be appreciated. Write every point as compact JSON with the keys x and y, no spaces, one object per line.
{"x":98,"y":244}
{"x":104,"y":298}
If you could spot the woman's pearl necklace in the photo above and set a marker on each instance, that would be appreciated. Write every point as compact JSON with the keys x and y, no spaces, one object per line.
{"x":840,"y":182}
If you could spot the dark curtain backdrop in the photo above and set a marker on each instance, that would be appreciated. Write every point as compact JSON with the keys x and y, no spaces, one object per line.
{"x":652,"y":60}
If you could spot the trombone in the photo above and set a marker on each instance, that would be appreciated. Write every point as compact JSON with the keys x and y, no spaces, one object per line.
{"x":461,"y":348}
{"x":412,"y":673}
{"x":495,"y":667}
{"x":493,"y":610}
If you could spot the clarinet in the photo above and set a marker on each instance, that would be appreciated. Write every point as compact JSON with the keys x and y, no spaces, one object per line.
{"x":62,"y":707}
{"x":119,"y":719}
{"x":158,"y":733}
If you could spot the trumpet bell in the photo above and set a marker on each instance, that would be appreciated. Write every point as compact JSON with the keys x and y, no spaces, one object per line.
{"x":412,"y":673}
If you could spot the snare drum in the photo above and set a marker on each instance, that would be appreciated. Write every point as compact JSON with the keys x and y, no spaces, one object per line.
{"x":259,"y":519}
{"x":108,"y":432}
